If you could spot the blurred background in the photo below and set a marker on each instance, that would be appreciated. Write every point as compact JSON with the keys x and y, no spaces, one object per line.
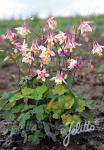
{"x":14,"y":9}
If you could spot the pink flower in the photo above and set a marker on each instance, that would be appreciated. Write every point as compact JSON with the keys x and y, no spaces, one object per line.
{"x":23,"y":48}
{"x":46,"y":52}
{"x":45,"y":56}
{"x":73,"y":64}
{"x":63,"y":52}
{"x":70,"y":41}
{"x":58,"y":78}
{"x":52,"y":23}
{"x":42,"y":74}
{"x":60,"y":37}
{"x":16,"y":46}
{"x":97,"y":48}
{"x":9,"y":35}
{"x":44,"y":60}
{"x":35,"y":46}
{"x":50,"y":39}
{"x":28,"y":58}
{"x":23,"y":30}
{"x":85,"y":27}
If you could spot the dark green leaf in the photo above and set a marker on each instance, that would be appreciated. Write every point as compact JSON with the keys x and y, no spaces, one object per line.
{"x":38,"y":92}
{"x":9,"y":116}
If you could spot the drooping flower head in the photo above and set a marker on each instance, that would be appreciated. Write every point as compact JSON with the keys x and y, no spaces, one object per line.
{"x":23,"y":30}
{"x":97,"y":48}
{"x":73,"y":64}
{"x":44,"y":60}
{"x":70,"y":42}
{"x":24,"y":47}
{"x":35,"y":47}
{"x":50,"y":39}
{"x":58,"y":78}
{"x":63,"y":52}
{"x":9,"y":35}
{"x":28,"y":58}
{"x":17,"y":46}
{"x":52,"y":23}
{"x":46,"y":52}
{"x":45,"y":56}
{"x":42,"y":74}
{"x":85,"y":27}
{"x":60,"y":38}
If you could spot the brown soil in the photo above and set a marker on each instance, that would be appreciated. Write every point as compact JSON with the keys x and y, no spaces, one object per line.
{"x":90,"y":85}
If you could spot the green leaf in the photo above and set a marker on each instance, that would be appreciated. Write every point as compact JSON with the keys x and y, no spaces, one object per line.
{"x":80,"y":105}
{"x":17,"y":108}
{"x":17,"y":96}
{"x":90,"y":104}
{"x":100,"y":69}
{"x":27,"y":107}
{"x":66,"y":119}
{"x":48,"y":132}
{"x":38,"y":92}
{"x":57,"y":114}
{"x":15,"y":56}
{"x":4,"y":100}
{"x":59,"y":89}
{"x":13,"y":129}
{"x":39,"y":111}
{"x":34,"y":139}
{"x":8,"y":116}
{"x":87,"y":115}
{"x":25,"y":137}
{"x":23,"y":118}
{"x":70,"y":79}
{"x":66,"y":101}
{"x":64,"y":130}
{"x":51,"y":64}
{"x":26,"y":91}
{"x":32,"y":126}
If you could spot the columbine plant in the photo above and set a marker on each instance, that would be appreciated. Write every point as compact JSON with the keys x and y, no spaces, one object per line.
{"x":44,"y":103}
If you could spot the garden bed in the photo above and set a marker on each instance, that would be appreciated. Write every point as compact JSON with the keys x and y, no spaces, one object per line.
{"x":90,"y":85}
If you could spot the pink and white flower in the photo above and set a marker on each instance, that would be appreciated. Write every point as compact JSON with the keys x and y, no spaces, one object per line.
{"x":46,"y":52}
{"x":63,"y":52}
{"x":97,"y":48}
{"x":23,"y":30}
{"x":35,"y":46}
{"x":58,"y":78}
{"x":44,"y":60}
{"x":42,"y":74}
{"x":70,"y":42}
{"x":28,"y":58}
{"x":52,"y":23}
{"x":73,"y":64}
{"x":50,"y":39}
{"x":17,"y":46}
{"x":9,"y":35}
{"x":85,"y":27}
{"x":60,"y":37}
